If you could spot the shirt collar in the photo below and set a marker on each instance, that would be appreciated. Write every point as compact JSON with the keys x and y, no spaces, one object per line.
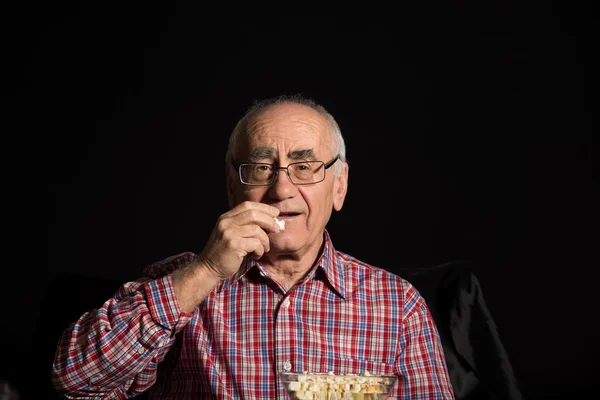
{"x":329,"y":265}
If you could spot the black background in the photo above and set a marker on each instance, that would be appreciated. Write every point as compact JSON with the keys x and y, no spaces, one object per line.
{"x":468,"y":128}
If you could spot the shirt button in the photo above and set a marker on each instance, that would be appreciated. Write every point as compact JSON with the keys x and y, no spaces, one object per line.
{"x":140,"y":350}
{"x":287,"y":365}
{"x":286,"y":303}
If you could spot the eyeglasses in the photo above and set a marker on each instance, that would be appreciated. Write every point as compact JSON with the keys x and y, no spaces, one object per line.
{"x":300,"y":173}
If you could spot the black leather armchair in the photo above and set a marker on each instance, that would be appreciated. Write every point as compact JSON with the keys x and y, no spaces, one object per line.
{"x":479,"y":365}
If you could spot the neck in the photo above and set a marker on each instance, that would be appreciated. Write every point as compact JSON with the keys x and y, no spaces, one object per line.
{"x":288,"y":274}
{"x":288,"y":269}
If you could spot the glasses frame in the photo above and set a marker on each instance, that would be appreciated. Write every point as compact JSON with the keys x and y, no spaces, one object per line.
{"x":326,"y":166}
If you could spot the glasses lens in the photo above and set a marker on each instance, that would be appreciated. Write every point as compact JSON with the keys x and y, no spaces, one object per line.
{"x":307,"y":172}
{"x":256,"y":174}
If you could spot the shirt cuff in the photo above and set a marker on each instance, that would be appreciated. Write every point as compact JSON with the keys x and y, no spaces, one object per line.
{"x":163,"y":305}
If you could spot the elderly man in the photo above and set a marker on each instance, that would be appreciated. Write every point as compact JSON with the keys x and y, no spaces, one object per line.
{"x":267,"y":293}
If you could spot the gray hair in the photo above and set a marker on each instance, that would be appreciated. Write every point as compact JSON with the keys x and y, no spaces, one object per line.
{"x":337,"y":140}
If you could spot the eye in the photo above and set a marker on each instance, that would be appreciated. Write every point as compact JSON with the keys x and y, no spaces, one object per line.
{"x":263,"y":168}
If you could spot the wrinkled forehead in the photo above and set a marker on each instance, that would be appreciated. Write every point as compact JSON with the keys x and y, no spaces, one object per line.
{"x":283,"y":132}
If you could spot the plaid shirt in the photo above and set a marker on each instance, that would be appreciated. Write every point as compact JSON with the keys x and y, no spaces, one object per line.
{"x":344,"y":316}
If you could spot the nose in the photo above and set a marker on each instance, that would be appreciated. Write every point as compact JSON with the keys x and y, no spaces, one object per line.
{"x":282,"y":187}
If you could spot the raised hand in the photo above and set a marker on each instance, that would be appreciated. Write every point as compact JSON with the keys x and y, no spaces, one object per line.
{"x":241,"y":231}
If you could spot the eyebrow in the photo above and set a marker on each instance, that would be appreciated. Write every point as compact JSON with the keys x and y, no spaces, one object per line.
{"x":260,"y":153}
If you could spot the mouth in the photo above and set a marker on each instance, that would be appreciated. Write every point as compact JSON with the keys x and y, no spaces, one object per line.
{"x":287,"y":215}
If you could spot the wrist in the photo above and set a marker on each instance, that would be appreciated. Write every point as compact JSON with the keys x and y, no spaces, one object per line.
{"x":192,"y":284}
{"x":204,"y":271}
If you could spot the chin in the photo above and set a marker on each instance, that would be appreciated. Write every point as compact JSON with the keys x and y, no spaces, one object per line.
{"x":282,"y":243}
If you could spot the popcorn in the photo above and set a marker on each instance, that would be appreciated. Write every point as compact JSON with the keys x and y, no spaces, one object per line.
{"x":281,"y":224}
{"x":328,"y":386}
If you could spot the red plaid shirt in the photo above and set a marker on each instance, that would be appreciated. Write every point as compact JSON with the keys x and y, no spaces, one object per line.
{"x":345,"y":316}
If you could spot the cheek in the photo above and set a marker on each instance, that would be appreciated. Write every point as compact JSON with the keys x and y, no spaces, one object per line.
{"x":252,"y":194}
{"x":319,"y":202}
{"x":238,"y":195}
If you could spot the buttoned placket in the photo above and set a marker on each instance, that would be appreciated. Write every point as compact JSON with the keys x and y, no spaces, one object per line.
{"x":283,"y":329}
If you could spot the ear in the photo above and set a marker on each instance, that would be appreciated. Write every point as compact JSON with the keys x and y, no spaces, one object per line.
{"x":230,"y":190}
{"x":340,"y":188}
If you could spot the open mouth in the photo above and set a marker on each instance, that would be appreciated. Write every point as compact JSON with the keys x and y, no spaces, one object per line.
{"x":287,"y":215}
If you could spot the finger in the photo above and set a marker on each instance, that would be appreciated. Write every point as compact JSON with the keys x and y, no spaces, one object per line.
{"x":252,"y":205}
{"x":254,"y":232}
{"x":256,"y":217}
{"x":253,"y":246}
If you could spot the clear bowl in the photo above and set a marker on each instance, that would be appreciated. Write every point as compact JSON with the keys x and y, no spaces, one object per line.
{"x":328,"y":386}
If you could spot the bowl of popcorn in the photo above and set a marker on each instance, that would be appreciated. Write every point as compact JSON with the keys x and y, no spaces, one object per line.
{"x":329,"y":386}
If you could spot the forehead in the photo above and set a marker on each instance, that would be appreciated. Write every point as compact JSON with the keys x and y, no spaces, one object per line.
{"x":287,"y":128}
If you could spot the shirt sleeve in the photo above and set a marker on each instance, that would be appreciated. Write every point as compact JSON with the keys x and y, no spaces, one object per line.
{"x":422,"y":366}
{"x":113,"y":352}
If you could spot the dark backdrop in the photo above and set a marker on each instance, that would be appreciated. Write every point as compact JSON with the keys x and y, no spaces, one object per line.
{"x":468,"y":127}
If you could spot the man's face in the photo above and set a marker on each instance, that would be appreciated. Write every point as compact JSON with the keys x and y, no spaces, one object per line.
{"x":281,"y":135}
